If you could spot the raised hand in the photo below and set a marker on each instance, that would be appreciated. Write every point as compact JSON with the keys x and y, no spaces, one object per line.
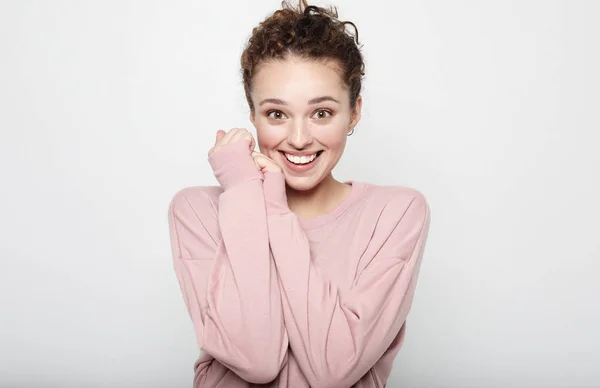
{"x":234,"y":135}
{"x":264,"y":163}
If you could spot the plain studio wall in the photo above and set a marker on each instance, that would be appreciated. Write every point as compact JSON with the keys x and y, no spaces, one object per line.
{"x":490,"y":108}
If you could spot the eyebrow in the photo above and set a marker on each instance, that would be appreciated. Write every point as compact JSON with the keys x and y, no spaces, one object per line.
{"x":313,"y":101}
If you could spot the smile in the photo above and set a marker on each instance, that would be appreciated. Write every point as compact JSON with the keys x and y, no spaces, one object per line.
{"x":304,"y":159}
{"x":300,"y":164}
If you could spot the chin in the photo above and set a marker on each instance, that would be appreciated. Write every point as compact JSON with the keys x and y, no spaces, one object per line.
{"x":302,"y":183}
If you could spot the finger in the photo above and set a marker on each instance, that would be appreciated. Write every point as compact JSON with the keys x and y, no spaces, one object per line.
{"x":219,"y":142}
{"x":237,"y":134}
{"x":263,"y":160}
{"x":258,"y":159}
{"x":255,"y":161}
{"x":252,"y":142}
{"x":227,"y":138}
{"x":216,"y":139}
{"x":220,"y":134}
{"x":262,"y":156}
{"x":242,"y":134}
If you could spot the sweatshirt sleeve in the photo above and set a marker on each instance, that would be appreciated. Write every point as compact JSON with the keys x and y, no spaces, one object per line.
{"x":225,"y":269}
{"x":338,"y":335}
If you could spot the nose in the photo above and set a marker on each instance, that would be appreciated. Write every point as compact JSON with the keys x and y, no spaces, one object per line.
{"x":299,"y":135}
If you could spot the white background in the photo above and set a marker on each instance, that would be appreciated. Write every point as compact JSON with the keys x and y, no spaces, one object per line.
{"x":490,"y":108}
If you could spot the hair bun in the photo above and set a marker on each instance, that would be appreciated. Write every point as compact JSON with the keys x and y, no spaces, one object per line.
{"x":309,"y":32}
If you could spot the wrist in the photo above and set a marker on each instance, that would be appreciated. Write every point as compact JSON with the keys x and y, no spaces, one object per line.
{"x":275,"y":194}
{"x":233,"y":164}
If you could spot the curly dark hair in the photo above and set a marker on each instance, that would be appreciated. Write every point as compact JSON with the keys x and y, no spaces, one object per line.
{"x":308,"y":32}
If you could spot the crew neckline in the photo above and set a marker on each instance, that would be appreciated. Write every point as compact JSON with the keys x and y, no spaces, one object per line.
{"x":356,"y":190}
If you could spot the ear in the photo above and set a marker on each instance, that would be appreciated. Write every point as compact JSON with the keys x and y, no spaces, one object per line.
{"x":356,"y":113}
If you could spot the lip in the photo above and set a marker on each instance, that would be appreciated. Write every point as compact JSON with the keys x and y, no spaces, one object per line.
{"x":299,"y":168}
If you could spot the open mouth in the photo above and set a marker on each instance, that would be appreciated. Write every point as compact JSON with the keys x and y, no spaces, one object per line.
{"x":302,"y":160}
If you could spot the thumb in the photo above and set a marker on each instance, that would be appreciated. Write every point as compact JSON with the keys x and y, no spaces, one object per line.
{"x":255,"y":156}
{"x":220,"y":134}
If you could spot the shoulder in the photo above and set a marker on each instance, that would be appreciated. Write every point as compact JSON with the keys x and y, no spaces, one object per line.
{"x":398,"y":202}
{"x":196,"y":199}
{"x":396,"y":217}
{"x":193,"y":222}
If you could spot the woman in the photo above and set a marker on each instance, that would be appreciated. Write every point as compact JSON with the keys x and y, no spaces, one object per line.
{"x":292,"y":278}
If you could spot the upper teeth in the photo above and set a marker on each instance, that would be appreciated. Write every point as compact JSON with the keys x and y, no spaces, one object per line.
{"x":301,"y":159}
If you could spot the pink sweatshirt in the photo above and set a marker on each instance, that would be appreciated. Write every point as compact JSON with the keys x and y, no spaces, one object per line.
{"x":291,"y":302}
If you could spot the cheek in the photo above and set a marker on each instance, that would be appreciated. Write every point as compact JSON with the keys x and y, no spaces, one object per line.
{"x":269,"y":137}
{"x":337,"y":143}
{"x":333,"y":137}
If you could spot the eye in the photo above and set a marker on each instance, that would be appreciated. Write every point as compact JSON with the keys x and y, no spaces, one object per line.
{"x":322,"y":114}
{"x":275,"y":114}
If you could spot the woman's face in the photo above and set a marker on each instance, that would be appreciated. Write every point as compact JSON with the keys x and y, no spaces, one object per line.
{"x":302,"y":117}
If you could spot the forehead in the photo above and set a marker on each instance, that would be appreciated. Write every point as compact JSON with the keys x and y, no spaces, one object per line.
{"x":295,"y":78}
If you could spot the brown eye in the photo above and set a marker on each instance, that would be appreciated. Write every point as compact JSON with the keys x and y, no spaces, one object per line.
{"x":276,"y":114}
{"x":322,"y":114}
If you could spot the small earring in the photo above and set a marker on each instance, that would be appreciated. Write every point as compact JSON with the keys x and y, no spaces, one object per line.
{"x":351,"y":132}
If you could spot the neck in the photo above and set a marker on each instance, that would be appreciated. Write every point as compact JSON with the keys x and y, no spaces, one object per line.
{"x":319,"y":200}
